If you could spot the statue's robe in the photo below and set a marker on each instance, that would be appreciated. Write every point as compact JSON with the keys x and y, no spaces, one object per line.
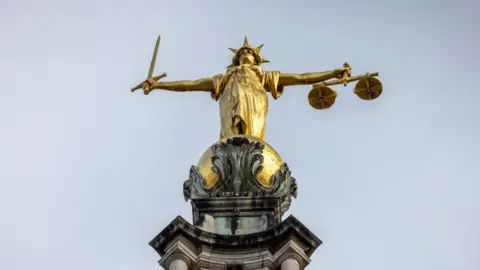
{"x":242,"y":94}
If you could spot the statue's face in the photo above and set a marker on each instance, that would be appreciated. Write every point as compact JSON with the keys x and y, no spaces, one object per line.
{"x":246,"y":57}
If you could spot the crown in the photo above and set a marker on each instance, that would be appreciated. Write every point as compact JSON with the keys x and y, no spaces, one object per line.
{"x":256,"y":53}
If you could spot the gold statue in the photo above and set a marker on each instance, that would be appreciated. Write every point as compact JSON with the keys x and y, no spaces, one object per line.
{"x":242,"y":90}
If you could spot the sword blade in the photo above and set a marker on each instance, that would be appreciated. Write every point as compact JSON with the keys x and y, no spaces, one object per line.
{"x":154,"y":58}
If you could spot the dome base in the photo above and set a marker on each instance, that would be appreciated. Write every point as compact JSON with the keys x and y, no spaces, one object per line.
{"x":236,"y":215}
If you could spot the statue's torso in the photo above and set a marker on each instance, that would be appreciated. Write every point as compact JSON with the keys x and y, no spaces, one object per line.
{"x":243,"y":82}
{"x":244,"y":97}
{"x":249,"y":76}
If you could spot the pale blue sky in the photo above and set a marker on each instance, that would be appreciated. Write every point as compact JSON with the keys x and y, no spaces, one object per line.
{"x":90,"y":173}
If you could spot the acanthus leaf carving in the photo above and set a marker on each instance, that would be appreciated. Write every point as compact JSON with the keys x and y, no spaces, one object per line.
{"x":237,"y":162}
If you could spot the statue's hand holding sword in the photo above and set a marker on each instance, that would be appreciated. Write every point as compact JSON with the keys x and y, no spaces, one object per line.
{"x":147,"y":84}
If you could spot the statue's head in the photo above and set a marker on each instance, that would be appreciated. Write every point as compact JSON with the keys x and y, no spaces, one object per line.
{"x":247,"y":55}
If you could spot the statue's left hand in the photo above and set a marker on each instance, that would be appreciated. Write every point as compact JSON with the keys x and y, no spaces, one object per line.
{"x":346,"y":68}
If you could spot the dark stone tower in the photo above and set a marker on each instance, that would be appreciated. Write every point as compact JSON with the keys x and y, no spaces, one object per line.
{"x":239,"y":192}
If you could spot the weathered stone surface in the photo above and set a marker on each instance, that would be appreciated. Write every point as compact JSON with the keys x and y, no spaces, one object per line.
{"x":264,"y":250}
{"x":237,"y":213}
{"x":290,"y":226}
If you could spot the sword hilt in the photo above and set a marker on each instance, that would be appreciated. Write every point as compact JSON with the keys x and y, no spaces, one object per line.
{"x":161,"y":76}
{"x":151,"y":81}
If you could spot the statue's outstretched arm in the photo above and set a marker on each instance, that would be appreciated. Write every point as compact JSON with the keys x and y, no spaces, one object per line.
{"x":202,"y":85}
{"x":288,"y":79}
{"x":150,"y":84}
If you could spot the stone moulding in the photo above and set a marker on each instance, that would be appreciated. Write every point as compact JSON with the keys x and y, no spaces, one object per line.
{"x":237,"y":163}
{"x":237,"y":207}
{"x":272,"y":238}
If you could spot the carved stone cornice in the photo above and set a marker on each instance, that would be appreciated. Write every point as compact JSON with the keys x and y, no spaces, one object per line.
{"x":273,"y":238}
{"x":291,"y":249}
{"x":179,"y":248}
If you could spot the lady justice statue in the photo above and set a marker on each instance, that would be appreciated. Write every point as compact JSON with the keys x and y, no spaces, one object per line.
{"x":242,"y":89}
{"x":246,"y":184}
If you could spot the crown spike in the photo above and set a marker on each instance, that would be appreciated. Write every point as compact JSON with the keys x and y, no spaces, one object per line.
{"x":245,"y":42}
{"x":258,"y":48}
{"x":233,"y":50}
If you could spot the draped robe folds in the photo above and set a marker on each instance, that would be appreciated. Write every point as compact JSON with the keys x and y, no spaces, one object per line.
{"x":243,"y":100}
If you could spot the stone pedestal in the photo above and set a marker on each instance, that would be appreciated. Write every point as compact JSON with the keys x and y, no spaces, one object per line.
{"x":239,"y":191}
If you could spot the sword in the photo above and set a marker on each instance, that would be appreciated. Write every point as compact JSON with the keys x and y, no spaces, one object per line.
{"x":152,"y":67}
{"x":154,"y":58}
